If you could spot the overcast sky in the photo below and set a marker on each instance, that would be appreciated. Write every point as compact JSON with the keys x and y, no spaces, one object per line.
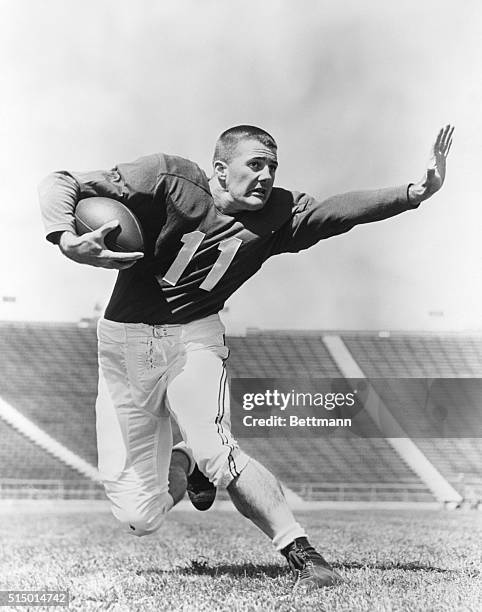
{"x":354,"y":93}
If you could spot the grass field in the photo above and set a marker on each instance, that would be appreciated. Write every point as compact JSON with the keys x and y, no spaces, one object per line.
{"x":392,"y":560}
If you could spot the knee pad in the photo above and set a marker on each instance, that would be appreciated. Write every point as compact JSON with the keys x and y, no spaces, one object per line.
{"x":141,"y":528}
{"x":145,"y":518}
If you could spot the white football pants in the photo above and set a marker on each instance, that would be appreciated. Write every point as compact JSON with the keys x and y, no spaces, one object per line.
{"x":147,"y":373}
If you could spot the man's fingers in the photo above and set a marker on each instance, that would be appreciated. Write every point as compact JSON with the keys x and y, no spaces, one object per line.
{"x":447,"y":142}
{"x":121,"y":265}
{"x":438,"y":140}
{"x":119,"y":256}
{"x":444,"y":138}
{"x":116,"y":260}
{"x":113,"y":264}
{"x":103,"y":230}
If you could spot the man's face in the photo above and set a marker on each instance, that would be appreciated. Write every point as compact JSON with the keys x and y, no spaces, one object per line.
{"x":249,"y":176}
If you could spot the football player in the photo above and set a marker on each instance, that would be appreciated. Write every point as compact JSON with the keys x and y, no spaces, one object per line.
{"x":161,"y":342}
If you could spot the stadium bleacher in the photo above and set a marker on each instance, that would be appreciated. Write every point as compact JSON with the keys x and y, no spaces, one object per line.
{"x":280,"y":355}
{"x":456,"y":456}
{"x":418,"y":355}
{"x":329,"y":460}
{"x":21,"y":458}
{"x":49,"y":373}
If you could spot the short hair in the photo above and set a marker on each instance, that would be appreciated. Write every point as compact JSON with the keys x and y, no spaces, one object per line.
{"x":228,"y":141}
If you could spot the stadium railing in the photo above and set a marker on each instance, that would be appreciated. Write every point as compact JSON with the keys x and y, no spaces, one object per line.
{"x":13,"y":488}
{"x":349,"y":491}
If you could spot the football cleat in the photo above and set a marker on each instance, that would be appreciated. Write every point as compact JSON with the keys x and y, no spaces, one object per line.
{"x":201,"y":491}
{"x":309,"y":567}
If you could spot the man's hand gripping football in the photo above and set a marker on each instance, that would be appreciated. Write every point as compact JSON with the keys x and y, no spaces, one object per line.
{"x":90,"y":249}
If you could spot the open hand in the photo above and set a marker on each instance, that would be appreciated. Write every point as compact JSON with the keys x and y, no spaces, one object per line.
{"x":90,"y":249}
{"x":434,"y":176}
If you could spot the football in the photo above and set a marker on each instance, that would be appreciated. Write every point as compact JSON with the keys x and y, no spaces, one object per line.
{"x":92,"y":213}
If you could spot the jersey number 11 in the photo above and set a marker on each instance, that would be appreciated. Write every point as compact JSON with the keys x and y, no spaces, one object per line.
{"x":191,"y":243}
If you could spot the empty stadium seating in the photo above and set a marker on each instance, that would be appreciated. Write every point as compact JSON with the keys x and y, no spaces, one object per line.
{"x":21,"y":458}
{"x":457,"y":455}
{"x":404,"y":355}
{"x":48,"y":372}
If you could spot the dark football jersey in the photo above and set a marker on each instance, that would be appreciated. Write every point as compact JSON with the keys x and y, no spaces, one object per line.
{"x":196,"y":256}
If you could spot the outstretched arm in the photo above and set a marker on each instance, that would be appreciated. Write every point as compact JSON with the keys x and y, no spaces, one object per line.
{"x":434,"y":176}
{"x":316,"y":220}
